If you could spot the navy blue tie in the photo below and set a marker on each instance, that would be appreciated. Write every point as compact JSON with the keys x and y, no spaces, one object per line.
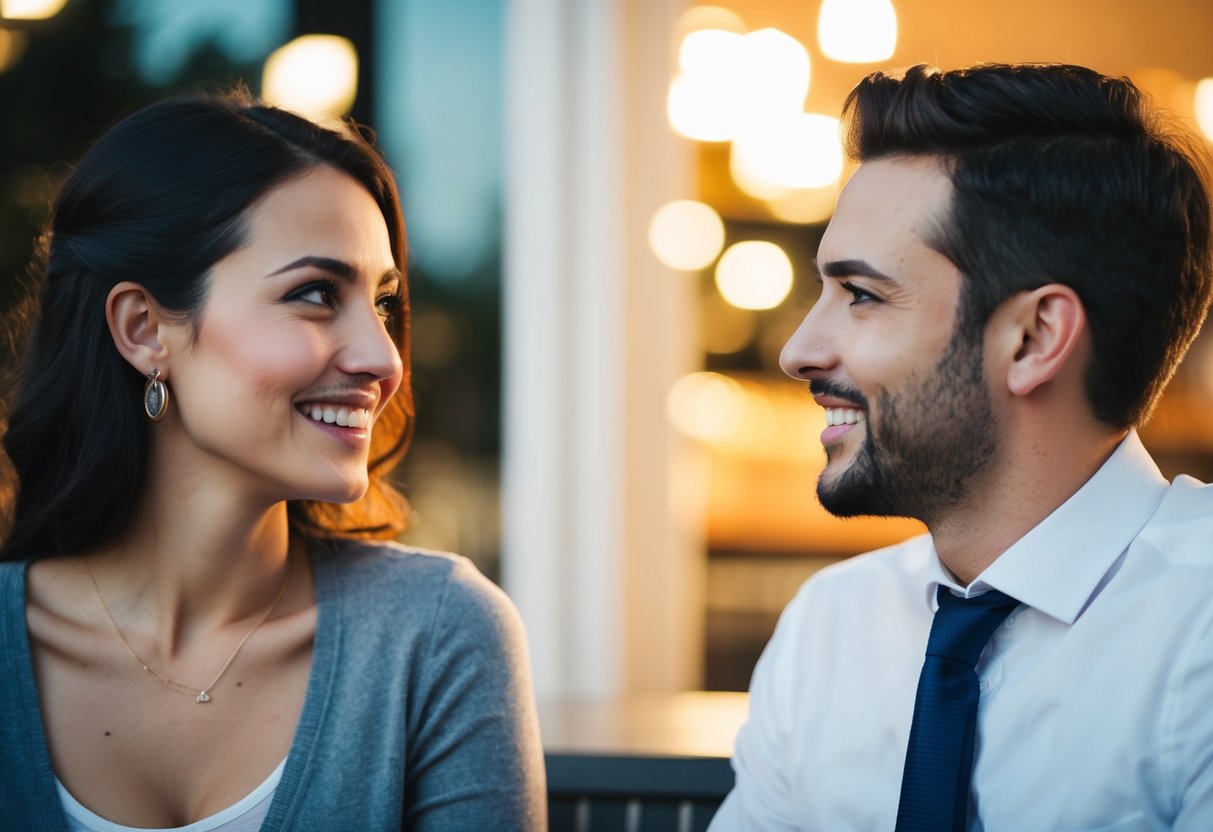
{"x":939,"y":759}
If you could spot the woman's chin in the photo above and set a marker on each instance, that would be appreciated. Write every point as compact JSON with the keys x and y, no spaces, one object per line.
{"x":341,"y":493}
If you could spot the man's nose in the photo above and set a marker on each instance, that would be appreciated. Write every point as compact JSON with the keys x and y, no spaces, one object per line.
{"x":810,"y":349}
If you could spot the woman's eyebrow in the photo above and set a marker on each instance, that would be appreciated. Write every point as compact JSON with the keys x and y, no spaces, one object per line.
{"x":338,"y":268}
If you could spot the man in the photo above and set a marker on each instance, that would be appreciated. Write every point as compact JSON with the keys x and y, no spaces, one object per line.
{"x":1009,"y":280}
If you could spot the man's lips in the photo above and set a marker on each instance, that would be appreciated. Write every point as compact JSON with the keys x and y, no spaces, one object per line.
{"x":841,"y":416}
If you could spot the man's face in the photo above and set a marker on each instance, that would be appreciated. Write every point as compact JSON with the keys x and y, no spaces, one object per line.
{"x":908,"y":408}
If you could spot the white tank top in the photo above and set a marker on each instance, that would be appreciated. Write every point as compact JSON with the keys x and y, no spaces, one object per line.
{"x":243,"y":816}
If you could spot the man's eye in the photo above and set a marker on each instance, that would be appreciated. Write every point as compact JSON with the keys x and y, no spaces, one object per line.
{"x":858,"y":295}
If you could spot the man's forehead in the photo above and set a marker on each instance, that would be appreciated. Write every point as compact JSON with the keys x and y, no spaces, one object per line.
{"x":888,"y":206}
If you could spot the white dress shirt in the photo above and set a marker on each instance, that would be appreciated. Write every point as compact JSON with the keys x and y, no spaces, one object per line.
{"x":1096,"y":708}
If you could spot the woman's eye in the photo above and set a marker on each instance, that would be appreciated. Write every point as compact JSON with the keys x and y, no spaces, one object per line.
{"x":387,"y":306}
{"x":321,"y":293}
{"x":858,"y":295}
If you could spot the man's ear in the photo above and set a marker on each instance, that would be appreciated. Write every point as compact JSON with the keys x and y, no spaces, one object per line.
{"x":1047,"y":324}
{"x":136,"y":324}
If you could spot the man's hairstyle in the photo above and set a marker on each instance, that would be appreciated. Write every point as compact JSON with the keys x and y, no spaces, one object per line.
{"x":1060,"y":175}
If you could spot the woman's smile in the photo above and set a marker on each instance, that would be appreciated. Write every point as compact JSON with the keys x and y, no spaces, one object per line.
{"x":295,"y":328}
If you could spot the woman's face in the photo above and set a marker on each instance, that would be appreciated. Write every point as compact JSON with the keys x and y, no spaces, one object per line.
{"x":280,"y":383}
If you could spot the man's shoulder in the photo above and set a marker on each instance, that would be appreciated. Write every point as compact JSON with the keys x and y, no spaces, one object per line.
{"x":1181,"y":530}
{"x":876,"y":575}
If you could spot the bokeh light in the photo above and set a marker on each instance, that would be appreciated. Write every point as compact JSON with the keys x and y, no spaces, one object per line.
{"x":804,"y":206}
{"x":1203,"y":105}
{"x":772,"y":78}
{"x":700,"y":105}
{"x":12,"y":45}
{"x":30,"y":9}
{"x":706,"y":406}
{"x":707,"y":17}
{"x":709,"y":53}
{"x":754,"y":274}
{"x":801,"y":151}
{"x":857,"y":31}
{"x":686,"y":235}
{"x":313,"y":75}
{"x":729,"y":81}
{"x":693,"y":109}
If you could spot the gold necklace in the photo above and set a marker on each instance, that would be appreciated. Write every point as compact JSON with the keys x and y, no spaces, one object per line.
{"x":201,"y":696}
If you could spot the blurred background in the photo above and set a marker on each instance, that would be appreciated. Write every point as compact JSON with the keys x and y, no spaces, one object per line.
{"x":613,"y":207}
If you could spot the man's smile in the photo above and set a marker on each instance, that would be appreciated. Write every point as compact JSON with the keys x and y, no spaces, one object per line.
{"x":844,"y":416}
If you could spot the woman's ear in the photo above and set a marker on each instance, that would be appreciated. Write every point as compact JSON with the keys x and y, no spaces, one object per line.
{"x":1049,"y":323}
{"x":137,"y":324}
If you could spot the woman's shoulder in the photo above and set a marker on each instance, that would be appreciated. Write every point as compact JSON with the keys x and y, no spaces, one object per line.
{"x":383,"y":573}
{"x":13,"y":570}
{"x":12,"y":582}
{"x":375,"y":562}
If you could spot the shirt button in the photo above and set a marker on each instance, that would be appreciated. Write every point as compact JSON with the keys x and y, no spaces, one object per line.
{"x":1009,"y":623}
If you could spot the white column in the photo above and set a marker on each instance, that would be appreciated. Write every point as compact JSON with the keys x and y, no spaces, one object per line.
{"x":608,"y":578}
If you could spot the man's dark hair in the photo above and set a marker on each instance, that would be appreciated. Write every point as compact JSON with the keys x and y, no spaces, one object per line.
{"x":1060,"y":175}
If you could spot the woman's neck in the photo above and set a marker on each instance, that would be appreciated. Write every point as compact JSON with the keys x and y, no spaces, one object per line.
{"x":196,"y":558}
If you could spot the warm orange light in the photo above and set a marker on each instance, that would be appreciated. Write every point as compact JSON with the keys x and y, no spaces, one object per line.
{"x":755,"y":274}
{"x":857,"y":31}
{"x":313,"y":75}
{"x":30,"y":9}
{"x":805,"y":205}
{"x":707,"y":17}
{"x":702,"y":99}
{"x":795,"y":152}
{"x":772,"y":77}
{"x":708,"y":407}
{"x":686,"y":235}
{"x":760,"y":480}
{"x":12,"y":46}
{"x":1203,"y":105}
{"x":729,"y":82}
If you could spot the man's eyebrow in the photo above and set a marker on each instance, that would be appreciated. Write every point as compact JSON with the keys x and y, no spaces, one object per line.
{"x":848,"y":268}
{"x":337,"y":268}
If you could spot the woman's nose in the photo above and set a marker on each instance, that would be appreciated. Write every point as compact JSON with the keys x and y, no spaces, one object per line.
{"x":369,"y":349}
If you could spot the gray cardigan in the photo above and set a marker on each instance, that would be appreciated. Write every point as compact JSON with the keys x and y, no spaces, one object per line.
{"x":419,"y":713}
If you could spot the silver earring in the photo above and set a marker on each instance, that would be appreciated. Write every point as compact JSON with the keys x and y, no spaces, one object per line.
{"x":155,"y":397}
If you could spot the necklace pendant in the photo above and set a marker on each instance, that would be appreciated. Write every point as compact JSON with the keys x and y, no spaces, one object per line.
{"x":202,"y":697}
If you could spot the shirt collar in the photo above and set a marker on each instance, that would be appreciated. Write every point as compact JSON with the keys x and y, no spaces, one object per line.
{"x":1058,"y":565}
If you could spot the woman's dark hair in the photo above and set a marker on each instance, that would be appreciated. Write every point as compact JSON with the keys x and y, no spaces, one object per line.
{"x":1060,"y":174}
{"x":159,"y":199}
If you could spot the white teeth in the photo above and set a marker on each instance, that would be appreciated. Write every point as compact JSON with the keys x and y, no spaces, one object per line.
{"x":344,"y":417}
{"x":843,"y":416}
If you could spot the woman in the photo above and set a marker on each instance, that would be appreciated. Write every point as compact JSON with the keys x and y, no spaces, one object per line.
{"x":197,"y":627}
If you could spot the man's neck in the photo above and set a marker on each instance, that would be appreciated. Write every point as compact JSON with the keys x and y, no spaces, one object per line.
{"x":1013,"y":498}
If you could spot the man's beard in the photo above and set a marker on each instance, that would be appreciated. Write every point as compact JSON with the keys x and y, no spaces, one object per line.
{"x":929,"y":444}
